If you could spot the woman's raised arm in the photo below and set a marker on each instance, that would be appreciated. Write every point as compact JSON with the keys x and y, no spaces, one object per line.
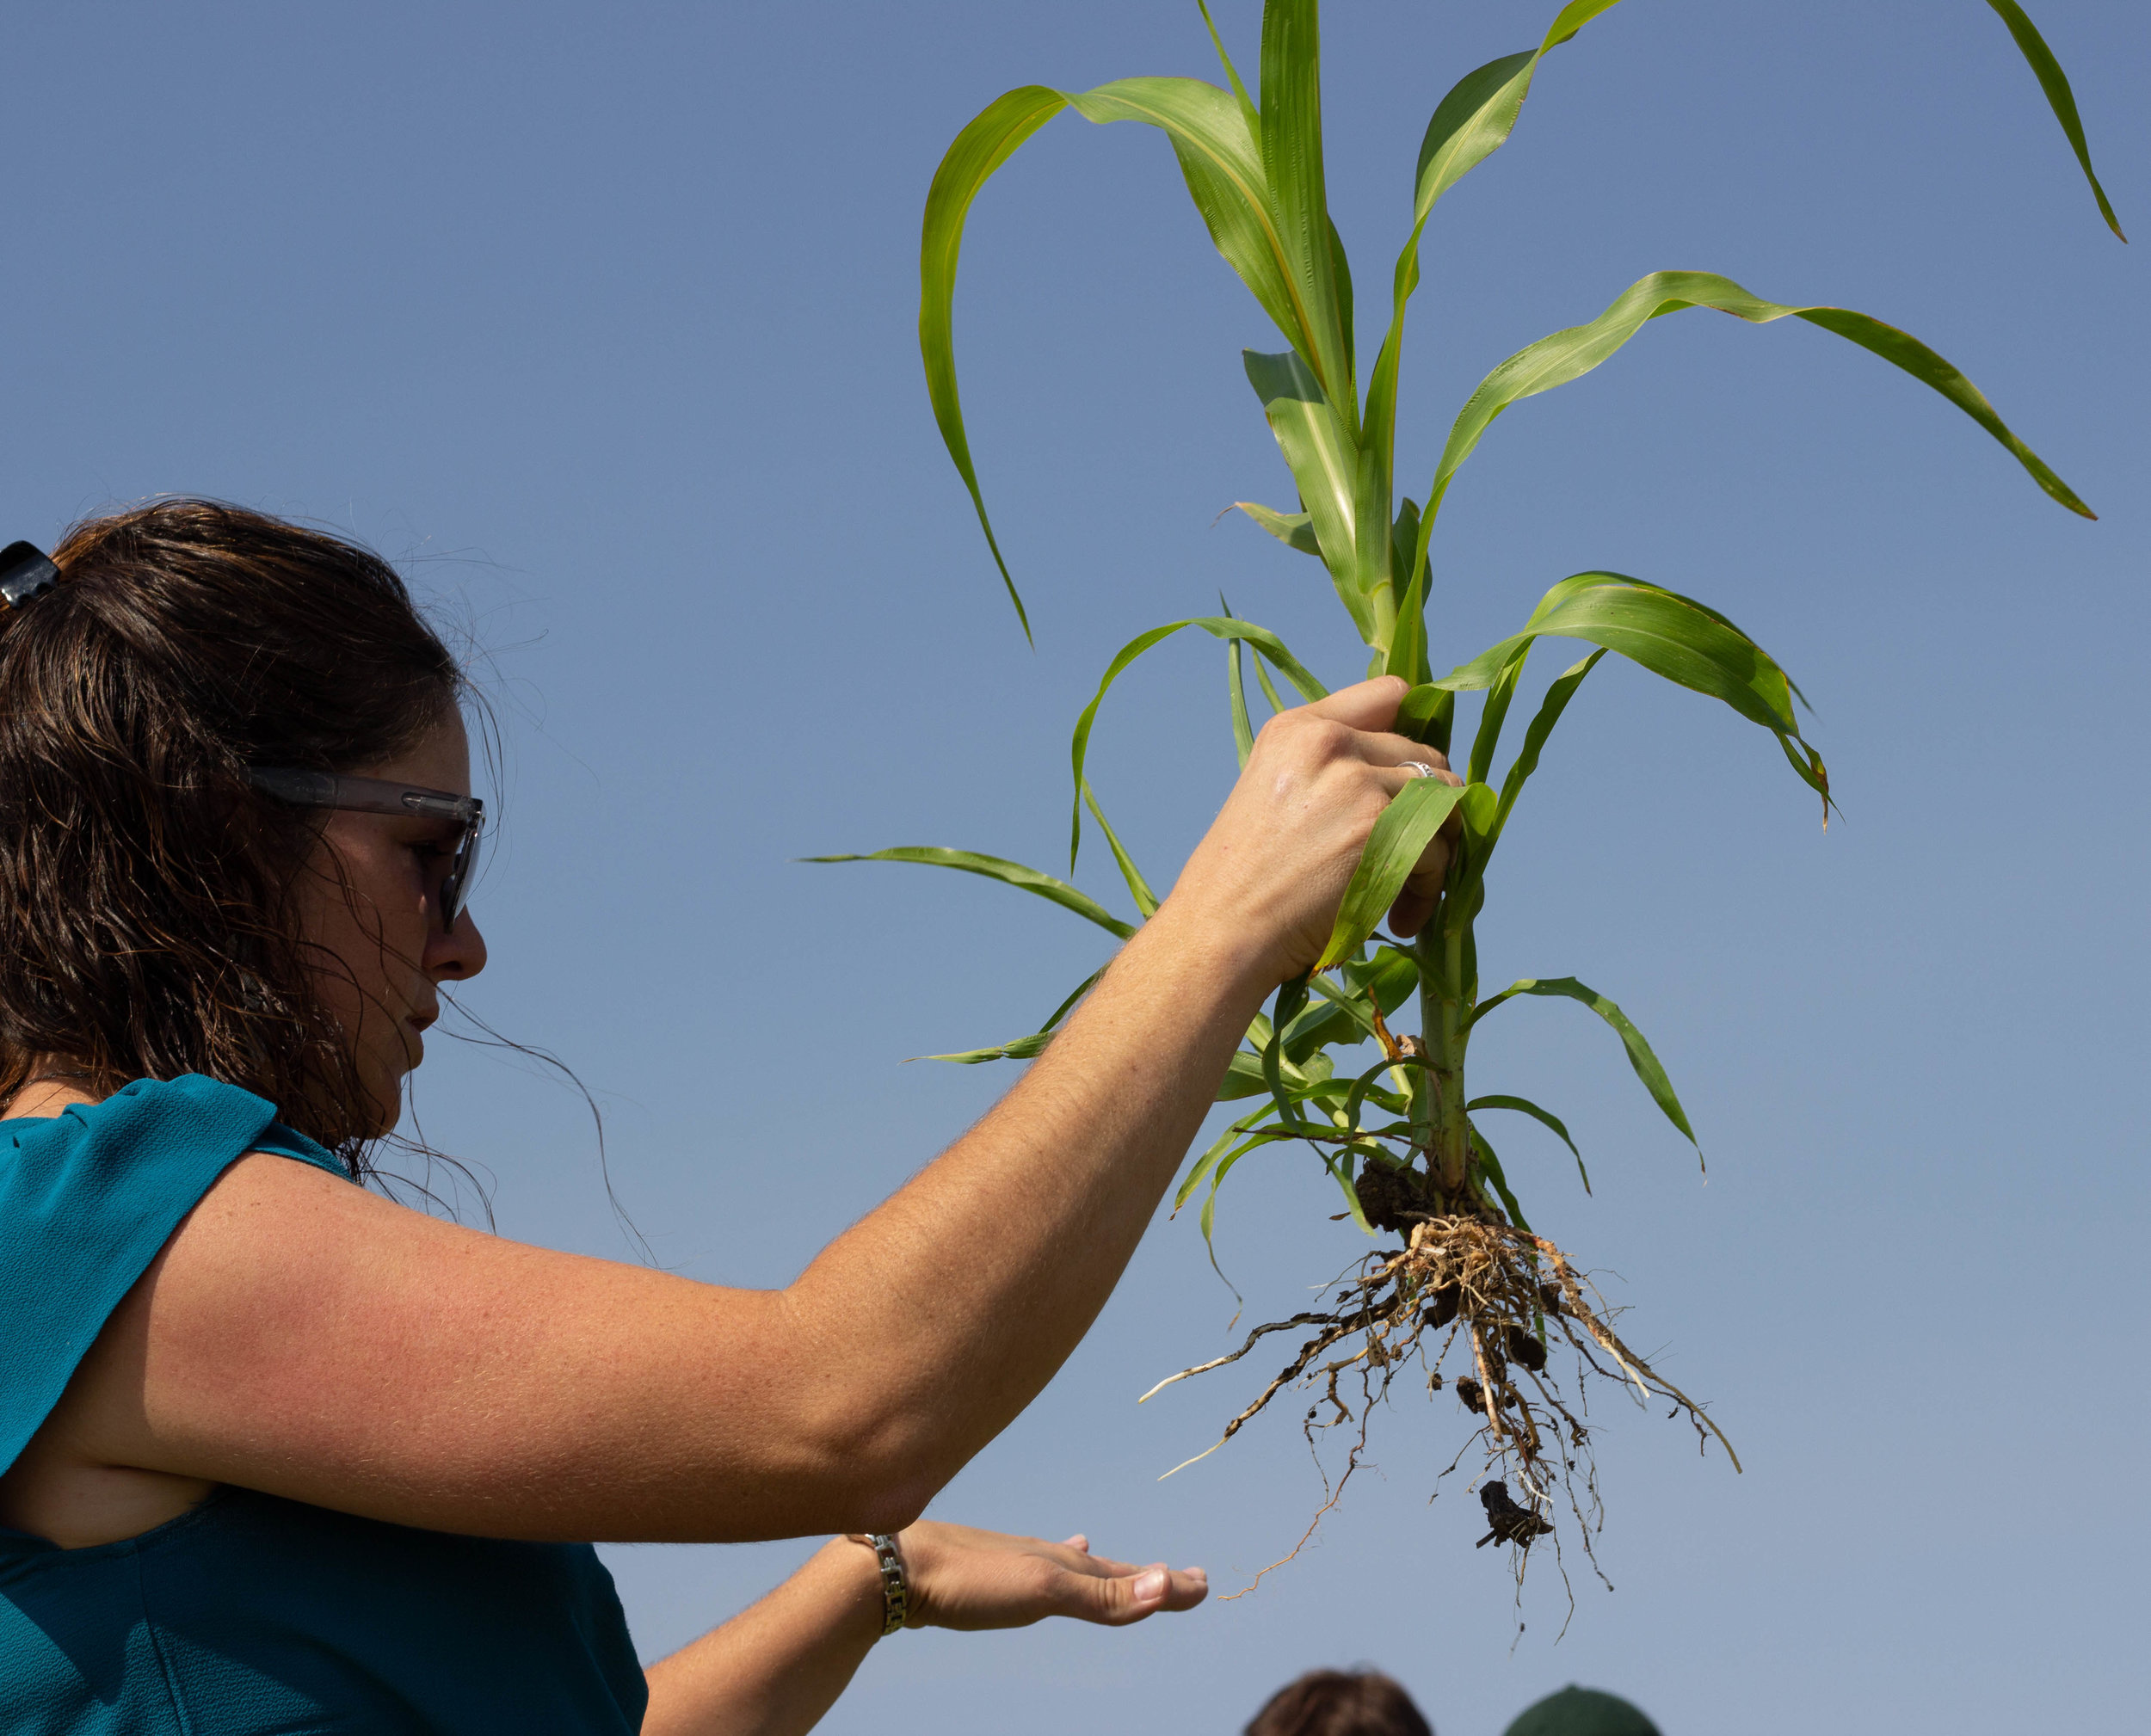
{"x":303,"y":1338}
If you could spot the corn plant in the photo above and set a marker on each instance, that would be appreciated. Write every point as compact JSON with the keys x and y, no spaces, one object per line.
{"x":1471,"y":1296}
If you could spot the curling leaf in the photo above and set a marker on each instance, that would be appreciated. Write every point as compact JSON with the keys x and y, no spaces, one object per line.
{"x":1468,"y":125}
{"x":1671,"y":636}
{"x":1225,"y":627}
{"x":1524,"y":1105}
{"x":1571,"y":354}
{"x":1639,"y":1052}
{"x":1214,"y":136}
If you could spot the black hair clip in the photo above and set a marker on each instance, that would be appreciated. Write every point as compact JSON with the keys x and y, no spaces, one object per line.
{"x":25,"y":572}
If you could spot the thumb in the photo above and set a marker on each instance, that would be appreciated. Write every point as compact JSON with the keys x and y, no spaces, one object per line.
{"x":1117,"y":1599}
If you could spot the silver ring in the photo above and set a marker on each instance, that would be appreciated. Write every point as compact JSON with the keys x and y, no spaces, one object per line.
{"x":1419,"y":768}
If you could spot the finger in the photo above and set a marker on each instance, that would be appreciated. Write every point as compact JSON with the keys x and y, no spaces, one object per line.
{"x":1365,"y":706}
{"x":1379,"y":748}
{"x":1409,"y":914}
{"x":1117,"y":1601}
{"x":1106,"y":1567}
{"x":1079,"y":1542}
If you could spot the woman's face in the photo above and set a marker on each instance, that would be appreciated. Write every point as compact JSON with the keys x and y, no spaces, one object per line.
{"x":370,"y":919}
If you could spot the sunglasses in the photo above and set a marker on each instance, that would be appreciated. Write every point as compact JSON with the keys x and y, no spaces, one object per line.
{"x":379,"y":796}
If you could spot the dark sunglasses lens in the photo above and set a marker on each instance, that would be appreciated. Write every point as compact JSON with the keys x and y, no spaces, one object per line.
{"x":458,"y":879}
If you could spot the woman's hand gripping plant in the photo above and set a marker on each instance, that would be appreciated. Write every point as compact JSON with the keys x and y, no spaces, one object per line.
{"x":1464,"y":1293}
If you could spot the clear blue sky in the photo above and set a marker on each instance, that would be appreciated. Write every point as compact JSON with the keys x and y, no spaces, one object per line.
{"x":600,"y":319}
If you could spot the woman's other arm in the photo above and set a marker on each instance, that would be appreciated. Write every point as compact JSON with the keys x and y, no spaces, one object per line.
{"x":776,"y":1668}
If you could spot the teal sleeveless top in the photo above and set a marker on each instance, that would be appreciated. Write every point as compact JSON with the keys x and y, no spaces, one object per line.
{"x":250,"y":1615}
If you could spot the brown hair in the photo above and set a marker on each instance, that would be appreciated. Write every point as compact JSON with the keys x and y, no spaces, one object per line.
{"x":1338,"y":1702}
{"x":146,"y":928}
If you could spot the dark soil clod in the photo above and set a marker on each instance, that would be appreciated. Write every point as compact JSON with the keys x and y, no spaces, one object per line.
{"x":1511,"y":1524}
{"x":1393,"y":1199}
{"x":1446,"y":1301}
{"x":1472,"y":1393}
{"x":1523,"y":1347}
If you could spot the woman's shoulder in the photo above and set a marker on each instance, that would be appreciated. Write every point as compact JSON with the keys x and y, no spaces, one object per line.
{"x":87,"y":1197}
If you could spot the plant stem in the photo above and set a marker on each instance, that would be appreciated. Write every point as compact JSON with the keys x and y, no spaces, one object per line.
{"x":1442,"y":948}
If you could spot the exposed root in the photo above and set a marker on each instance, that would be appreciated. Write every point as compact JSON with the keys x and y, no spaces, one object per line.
{"x":1499,"y":1298}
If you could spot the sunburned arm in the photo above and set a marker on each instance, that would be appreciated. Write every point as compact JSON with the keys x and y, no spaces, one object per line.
{"x":301,"y":1337}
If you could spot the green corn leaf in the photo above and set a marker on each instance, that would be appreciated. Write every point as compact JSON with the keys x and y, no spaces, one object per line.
{"x":1499,"y":693}
{"x":1008,"y":873}
{"x":1146,"y":901}
{"x":1340,"y":1017}
{"x":1292,"y":997}
{"x":1075,"y":995}
{"x":1468,"y":125}
{"x":1524,"y":1105}
{"x":1220,"y":160}
{"x":1671,"y":636}
{"x":2060,"y":98}
{"x":1291,"y":141}
{"x":1237,"y":693}
{"x":1215,"y":137}
{"x":1568,"y":354}
{"x":1339,"y":1169}
{"x":1392,"y":976}
{"x":1324,"y":462}
{"x":1407,"y":641}
{"x":1232,"y":73}
{"x":1639,"y":1052}
{"x":1268,"y":687}
{"x":1294,"y":530}
{"x":1492,"y":1166}
{"x":1224,"y":1167}
{"x":1389,"y":978}
{"x":981,"y":148}
{"x":1362,"y":1086}
{"x":1243,"y":1078}
{"x":1424,"y":714}
{"x":1208,"y":1160}
{"x":1023,"y":1048}
{"x":1225,"y":627}
{"x":1340,"y":269}
{"x":1407,"y":658}
{"x":1541,"y":726}
{"x":1407,"y":827}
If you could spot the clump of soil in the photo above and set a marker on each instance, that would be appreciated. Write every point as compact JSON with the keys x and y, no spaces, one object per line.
{"x":1471,"y":1289}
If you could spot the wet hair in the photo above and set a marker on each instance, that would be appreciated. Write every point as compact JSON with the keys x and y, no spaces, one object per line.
{"x":1339,"y":1702}
{"x":148,"y":925}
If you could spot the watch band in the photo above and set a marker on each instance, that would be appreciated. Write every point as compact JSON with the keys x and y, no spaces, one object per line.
{"x":895,"y":1588}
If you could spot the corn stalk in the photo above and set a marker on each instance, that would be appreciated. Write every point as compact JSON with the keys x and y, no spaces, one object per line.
{"x":1252,"y":164}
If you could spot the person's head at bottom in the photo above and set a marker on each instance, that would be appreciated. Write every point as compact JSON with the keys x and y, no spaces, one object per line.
{"x":1581,"y":1712}
{"x":1340,"y":1702}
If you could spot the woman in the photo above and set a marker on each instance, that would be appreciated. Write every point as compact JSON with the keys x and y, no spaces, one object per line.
{"x":280,"y":1453}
